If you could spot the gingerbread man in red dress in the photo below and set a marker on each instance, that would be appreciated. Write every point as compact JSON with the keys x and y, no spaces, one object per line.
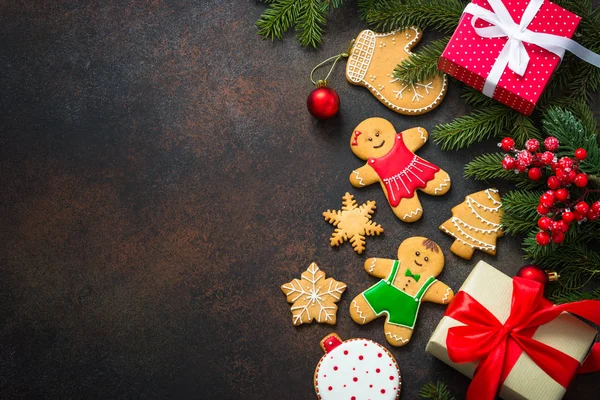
{"x":392,"y":163}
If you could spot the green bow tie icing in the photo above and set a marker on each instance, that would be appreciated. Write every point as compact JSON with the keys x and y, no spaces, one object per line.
{"x":410,"y":275}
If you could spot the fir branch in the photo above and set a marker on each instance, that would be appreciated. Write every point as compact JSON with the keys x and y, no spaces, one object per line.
{"x":523,"y":130}
{"x":423,"y":64}
{"x":311,"y":21}
{"x":476,"y":127}
{"x":278,"y":18}
{"x":570,"y":296}
{"x":489,"y":166}
{"x":437,"y":391}
{"x":585,"y":115}
{"x":475,"y":98}
{"x":442,"y":15}
{"x":520,"y":212}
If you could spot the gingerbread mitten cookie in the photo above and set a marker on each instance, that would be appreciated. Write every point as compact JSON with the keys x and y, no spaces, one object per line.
{"x":475,"y":224}
{"x":358,"y":369}
{"x":391,"y":162}
{"x":405,"y":283}
{"x":371,"y":64}
{"x":313,"y":297}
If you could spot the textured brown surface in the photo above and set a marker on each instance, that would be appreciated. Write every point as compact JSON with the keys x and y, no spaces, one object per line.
{"x":161,"y":178}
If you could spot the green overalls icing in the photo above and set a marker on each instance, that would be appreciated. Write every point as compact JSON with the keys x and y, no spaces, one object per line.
{"x":401,"y":307}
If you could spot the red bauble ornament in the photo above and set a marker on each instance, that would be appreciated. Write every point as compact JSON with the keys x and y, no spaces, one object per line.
{"x":534,"y":273}
{"x":323,"y":102}
{"x":580,"y":154}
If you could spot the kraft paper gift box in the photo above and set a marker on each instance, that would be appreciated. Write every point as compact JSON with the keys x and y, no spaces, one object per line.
{"x":470,"y":57}
{"x":526,"y":380}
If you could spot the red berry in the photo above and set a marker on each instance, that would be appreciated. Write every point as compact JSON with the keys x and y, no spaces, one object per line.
{"x":542,"y":209}
{"x":565,"y":162}
{"x":547,"y":199}
{"x":561,"y":226}
{"x":542,"y":238}
{"x":580,"y":154}
{"x":524,"y":158}
{"x":553,"y":182}
{"x":581,"y":180}
{"x":568,"y":217}
{"x":561,"y":194}
{"x":571,"y":177}
{"x":521,"y":168}
{"x":544,"y":223}
{"x":592,"y":216}
{"x":581,"y":208}
{"x":534,"y":174}
{"x":532,"y":145}
{"x":551,"y":143}
{"x":507,"y":144}
{"x":558,"y":236}
{"x":562,"y":175}
{"x":508,"y":163}
{"x":596,"y":206}
{"x":547,"y":157}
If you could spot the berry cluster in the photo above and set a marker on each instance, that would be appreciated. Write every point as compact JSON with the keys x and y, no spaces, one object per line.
{"x":556,"y":209}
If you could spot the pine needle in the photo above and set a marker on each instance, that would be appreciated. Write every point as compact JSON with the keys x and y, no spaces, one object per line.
{"x":437,"y":391}
{"x":423,"y":64}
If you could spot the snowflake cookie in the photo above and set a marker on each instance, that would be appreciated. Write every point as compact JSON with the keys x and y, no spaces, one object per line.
{"x":352,"y":223}
{"x":313,"y":296}
{"x":371,"y":64}
{"x":356,"y":369}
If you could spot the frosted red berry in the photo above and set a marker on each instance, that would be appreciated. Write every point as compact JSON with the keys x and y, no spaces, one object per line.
{"x":565,"y":163}
{"x":532,"y":145}
{"x":524,"y":158}
{"x":551,"y":143}
{"x":542,"y":238}
{"x":507,"y":144}
{"x":580,"y":154}
{"x":547,"y":200}
{"x":508,"y":163}
{"x":547,"y":157}
{"x":581,"y":180}
{"x":544,"y":223}
{"x":534,"y":174}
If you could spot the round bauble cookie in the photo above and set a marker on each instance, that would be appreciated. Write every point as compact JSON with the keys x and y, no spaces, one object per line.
{"x":356,"y":369}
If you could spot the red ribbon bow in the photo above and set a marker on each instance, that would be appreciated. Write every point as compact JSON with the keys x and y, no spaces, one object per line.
{"x":498,"y":346}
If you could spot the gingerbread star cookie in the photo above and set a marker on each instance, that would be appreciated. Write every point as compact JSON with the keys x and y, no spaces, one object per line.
{"x":313,"y":297}
{"x":475,"y":224}
{"x":352,"y":223}
{"x":371,"y":64}
{"x":404,"y":284}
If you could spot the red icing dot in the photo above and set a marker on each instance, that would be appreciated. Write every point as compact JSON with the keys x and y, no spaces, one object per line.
{"x":335,"y":368}
{"x":353,"y":398}
{"x":360,"y":357}
{"x":379,"y":355}
{"x":378,"y":370}
{"x":330,"y":388}
{"x":382,"y":391}
{"x":344,"y":385}
{"x":324,"y":376}
{"x":365,"y":345}
{"x":353,"y":369}
{"x":345,"y":352}
{"x":391,"y":378}
{"x":355,"y":379}
{"x":370,"y":385}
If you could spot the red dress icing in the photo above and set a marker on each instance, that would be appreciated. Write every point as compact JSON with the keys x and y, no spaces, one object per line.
{"x":402,"y":172}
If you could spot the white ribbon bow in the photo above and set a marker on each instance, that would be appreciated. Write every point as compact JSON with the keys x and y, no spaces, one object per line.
{"x":514,"y":55}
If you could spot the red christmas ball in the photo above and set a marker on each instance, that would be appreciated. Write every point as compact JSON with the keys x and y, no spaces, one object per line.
{"x":534,"y":273}
{"x":534,"y":174}
{"x":507,"y":144}
{"x":551,"y":143}
{"x":581,"y":180}
{"x":542,"y":238}
{"x":323,"y":102}
{"x":580,"y":154}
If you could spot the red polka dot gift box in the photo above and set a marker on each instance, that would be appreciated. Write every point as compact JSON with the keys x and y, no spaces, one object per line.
{"x":509,"y":49}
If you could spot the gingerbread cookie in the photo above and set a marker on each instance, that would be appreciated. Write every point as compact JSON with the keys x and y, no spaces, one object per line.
{"x":392,"y":163}
{"x":356,"y":369}
{"x":405,"y":283}
{"x":352,"y":223}
{"x":313,"y":297}
{"x":371,"y":64}
{"x":475,"y":224}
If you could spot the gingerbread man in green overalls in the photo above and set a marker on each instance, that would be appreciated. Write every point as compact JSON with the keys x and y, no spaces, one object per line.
{"x":405,"y":283}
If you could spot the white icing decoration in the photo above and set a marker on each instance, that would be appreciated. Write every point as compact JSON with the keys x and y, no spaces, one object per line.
{"x":413,"y":213}
{"x":314,"y":295}
{"x":360,"y":60}
{"x":349,"y":366}
{"x":372,"y":266}
{"x":464,"y":242}
{"x":484,"y":244}
{"x":360,"y":179}
{"x":445,"y":183}
{"x":446,"y":296}
{"x":491,"y":198}
{"x":479,"y":205}
{"x":472,"y":228}
{"x":398,"y":177}
{"x":422,"y":133}
{"x":360,"y":314}
{"x":396,"y":338}
{"x":479,"y":217}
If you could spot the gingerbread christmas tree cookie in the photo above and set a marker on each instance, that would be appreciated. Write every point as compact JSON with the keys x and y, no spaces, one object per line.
{"x":391,"y":162}
{"x":313,"y":297}
{"x":405,"y":283}
{"x":352,"y":223}
{"x":371,"y":64}
{"x":358,"y":369}
{"x":475,"y":224}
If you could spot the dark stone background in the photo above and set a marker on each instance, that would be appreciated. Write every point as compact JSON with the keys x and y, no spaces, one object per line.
{"x":161,"y":178}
